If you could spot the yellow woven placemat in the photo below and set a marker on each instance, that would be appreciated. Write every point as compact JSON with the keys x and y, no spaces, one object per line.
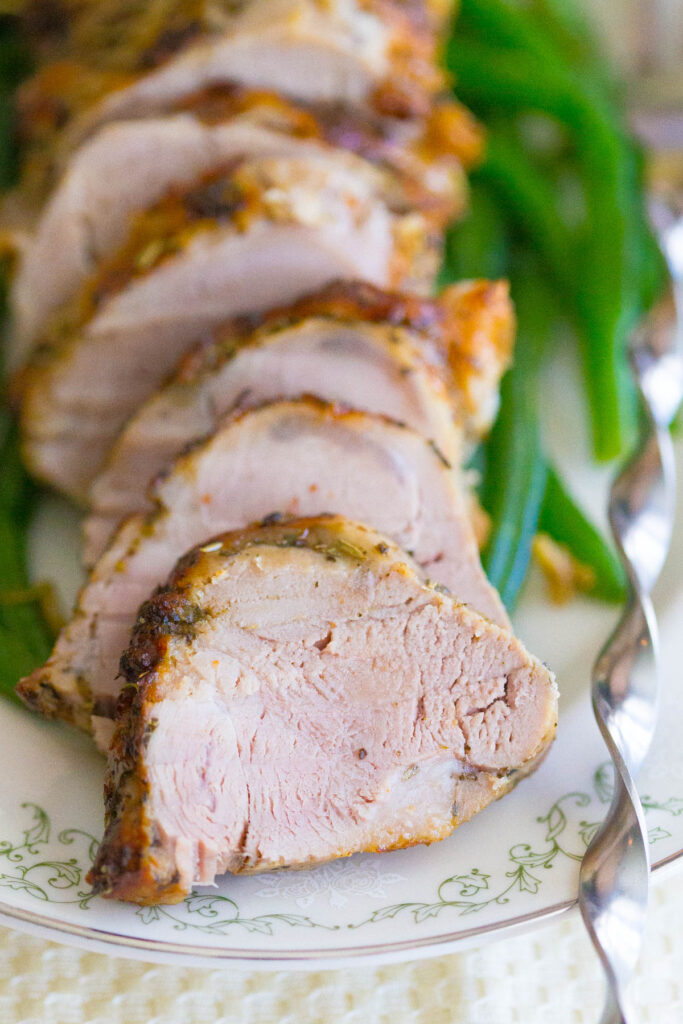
{"x":549,"y":976}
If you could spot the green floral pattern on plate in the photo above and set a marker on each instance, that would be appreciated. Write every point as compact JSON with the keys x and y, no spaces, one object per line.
{"x":32,"y":867}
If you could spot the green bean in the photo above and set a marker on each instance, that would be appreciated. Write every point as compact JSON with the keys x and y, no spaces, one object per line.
{"x":513,"y":490}
{"x":514,"y":481}
{"x":478,"y":245}
{"x":529,"y":201}
{"x":606,"y":294}
{"x":562,"y":519}
{"x":566,"y":24}
{"x":504,"y":25}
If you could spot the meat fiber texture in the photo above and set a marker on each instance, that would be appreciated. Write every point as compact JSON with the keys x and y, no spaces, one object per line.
{"x":298,"y":692}
{"x":293,"y":458}
{"x":315,"y":222}
{"x":350,"y":343}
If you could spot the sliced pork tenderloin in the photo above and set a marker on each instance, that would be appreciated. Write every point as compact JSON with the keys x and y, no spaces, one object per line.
{"x":50,"y":106}
{"x":88,"y":215}
{"x":299,"y":692}
{"x":368,"y":366}
{"x":370,"y":55}
{"x":301,"y":457}
{"x":258,"y":237}
{"x":350,"y":343}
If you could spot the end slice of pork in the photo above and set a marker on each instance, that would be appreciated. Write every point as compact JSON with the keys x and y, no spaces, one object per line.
{"x":374,"y":367}
{"x":317,"y":222}
{"x":301,"y":457}
{"x":298,"y":693}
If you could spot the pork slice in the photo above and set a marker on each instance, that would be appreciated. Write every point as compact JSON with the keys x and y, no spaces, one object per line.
{"x":343,"y":51}
{"x":351,"y":343}
{"x":300,"y":457}
{"x":375,"y":367}
{"x":316,"y":223}
{"x":89,"y":212}
{"x":297,"y":693}
{"x":88,"y":215}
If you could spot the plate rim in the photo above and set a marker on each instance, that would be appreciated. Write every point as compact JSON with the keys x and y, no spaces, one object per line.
{"x":162,"y":951}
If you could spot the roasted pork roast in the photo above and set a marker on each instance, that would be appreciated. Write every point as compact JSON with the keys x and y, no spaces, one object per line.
{"x":226,"y":347}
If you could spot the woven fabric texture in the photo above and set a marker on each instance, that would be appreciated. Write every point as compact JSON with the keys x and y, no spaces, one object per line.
{"x":549,"y":976}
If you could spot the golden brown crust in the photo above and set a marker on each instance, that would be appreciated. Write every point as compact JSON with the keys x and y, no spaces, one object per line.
{"x":479,"y":339}
{"x":136,"y":863}
{"x":470,"y":329}
{"x":358,"y":300}
{"x":451,"y":130}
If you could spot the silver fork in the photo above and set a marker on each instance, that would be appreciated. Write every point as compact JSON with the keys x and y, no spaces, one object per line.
{"x":613,"y":886}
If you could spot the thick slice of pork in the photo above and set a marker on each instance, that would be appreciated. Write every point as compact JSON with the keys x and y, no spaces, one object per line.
{"x":307,"y":223}
{"x":88,"y":214}
{"x":300,"y":457}
{"x":297,"y":693}
{"x":51,"y":103}
{"x":367,"y":366}
{"x":350,"y":343}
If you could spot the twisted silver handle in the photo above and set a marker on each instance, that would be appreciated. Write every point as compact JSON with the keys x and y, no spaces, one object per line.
{"x":613,"y":885}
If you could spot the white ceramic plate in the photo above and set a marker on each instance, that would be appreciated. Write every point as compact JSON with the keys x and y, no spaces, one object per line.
{"x":514,"y":865}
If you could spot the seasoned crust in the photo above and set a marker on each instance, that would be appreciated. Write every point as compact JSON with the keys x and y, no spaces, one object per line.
{"x":137,"y":859}
{"x":39,"y":694}
{"x":470,"y":328}
{"x":169,"y":613}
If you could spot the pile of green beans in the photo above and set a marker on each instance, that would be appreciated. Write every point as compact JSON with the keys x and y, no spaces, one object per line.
{"x":558,"y":207}
{"x":508,"y":62}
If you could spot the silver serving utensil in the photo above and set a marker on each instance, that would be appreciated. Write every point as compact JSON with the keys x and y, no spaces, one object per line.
{"x":613,"y":887}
